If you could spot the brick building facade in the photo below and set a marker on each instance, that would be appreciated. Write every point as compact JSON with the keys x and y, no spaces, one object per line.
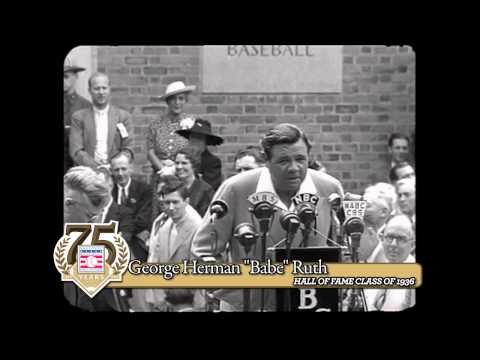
{"x":348,"y":130}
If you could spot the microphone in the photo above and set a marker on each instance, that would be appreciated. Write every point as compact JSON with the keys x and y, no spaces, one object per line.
{"x":218,"y":209}
{"x":290,"y":222}
{"x":305,"y":205}
{"x":354,"y":228}
{"x":246,"y":235}
{"x":263,"y":208}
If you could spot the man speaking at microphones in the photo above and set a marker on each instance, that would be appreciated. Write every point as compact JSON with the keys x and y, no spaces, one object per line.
{"x":285,"y":176}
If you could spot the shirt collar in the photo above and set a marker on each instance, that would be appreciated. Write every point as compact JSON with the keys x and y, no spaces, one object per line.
{"x":101,"y":111}
{"x":127,"y":187}
{"x":265,"y":184}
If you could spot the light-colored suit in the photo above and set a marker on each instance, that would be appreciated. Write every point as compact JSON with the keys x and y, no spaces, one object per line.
{"x":235,"y":192}
{"x":83,"y":137}
{"x":162,"y":252}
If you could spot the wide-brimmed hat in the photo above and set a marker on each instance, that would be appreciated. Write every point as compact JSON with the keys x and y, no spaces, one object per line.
{"x":176,"y":87}
{"x":202,"y":127}
{"x":70,"y":66}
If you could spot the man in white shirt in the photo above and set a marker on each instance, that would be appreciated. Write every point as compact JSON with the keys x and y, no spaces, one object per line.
{"x":398,"y":238}
{"x":102,"y":130}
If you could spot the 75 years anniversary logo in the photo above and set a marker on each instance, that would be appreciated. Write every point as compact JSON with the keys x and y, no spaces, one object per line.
{"x":91,"y":255}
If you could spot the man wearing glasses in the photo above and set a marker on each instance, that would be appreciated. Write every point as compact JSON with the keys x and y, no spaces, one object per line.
{"x":398,"y":241}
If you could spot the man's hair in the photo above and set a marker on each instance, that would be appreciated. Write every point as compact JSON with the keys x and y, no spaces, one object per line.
{"x":193,"y":155}
{"x":393,"y":176}
{"x":384,"y":191}
{"x":251,"y":150}
{"x":283,"y":134}
{"x":95,"y":75}
{"x":91,"y":183}
{"x":172,"y":184}
{"x":408,"y":181}
{"x":400,"y":215}
{"x":396,"y":136}
{"x":120,"y":154}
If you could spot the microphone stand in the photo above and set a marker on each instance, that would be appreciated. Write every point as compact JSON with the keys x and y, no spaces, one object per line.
{"x":263,"y":237}
{"x":357,"y":300}
{"x":288,"y":247}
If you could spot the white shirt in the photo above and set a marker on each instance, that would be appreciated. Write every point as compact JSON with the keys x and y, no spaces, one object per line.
{"x":119,"y":195}
{"x":265,"y":184}
{"x":101,"y":127}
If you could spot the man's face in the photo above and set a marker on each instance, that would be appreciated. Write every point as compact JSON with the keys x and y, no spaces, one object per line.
{"x":376,"y":212}
{"x":288,"y":166}
{"x":399,"y":150}
{"x":406,"y":198}
{"x":398,"y":239}
{"x":100,"y":91}
{"x":405,"y":172}
{"x":198,"y":141}
{"x":77,"y":208}
{"x":246,"y":163}
{"x":175,"y":205}
{"x":176,"y":103}
{"x":121,"y":170}
{"x":69,"y":81}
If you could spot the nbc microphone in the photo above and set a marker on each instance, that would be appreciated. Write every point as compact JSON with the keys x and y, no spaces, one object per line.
{"x":246,"y":235}
{"x":263,"y":208}
{"x":290,"y":222}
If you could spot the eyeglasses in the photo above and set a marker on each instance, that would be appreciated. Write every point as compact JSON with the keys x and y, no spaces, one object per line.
{"x":401,"y":240}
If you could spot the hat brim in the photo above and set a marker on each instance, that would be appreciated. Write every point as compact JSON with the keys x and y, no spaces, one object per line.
{"x":74,"y":69}
{"x":187,"y":89}
{"x":213,"y":140}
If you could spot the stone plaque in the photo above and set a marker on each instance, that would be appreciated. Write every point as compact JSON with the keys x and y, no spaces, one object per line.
{"x":272,"y":69}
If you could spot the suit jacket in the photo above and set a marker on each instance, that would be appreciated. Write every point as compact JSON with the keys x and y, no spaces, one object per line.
{"x":139,"y":201}
{"x":71,"y":104}
{"x":235,"y":192}
{"x":201,"y":194}
{"x":83,"y":135}
{"x":211,"y":169}
{"x":105,"y":300}
{"x":159,"y":248}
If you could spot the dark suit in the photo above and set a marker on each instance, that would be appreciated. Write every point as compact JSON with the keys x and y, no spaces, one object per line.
{"x":211,"y":169}
{"x":83,"y":137}
{"x":139,"y":201}
{"x":201,"y":194}
{"x":105,"y":300}
{"x":71,"y":103}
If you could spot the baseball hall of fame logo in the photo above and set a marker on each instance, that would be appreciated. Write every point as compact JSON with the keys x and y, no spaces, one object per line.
{"x":91,"y":255}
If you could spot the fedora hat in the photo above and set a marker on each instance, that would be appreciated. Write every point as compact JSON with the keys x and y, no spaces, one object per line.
{"x":202,"y":127}
{"x":69,"y":66}
{"x":176,"y":87}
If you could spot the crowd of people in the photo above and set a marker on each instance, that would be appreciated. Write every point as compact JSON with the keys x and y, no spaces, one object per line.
{"x":168,"y":220}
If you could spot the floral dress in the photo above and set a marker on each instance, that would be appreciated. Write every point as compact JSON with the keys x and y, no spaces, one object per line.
{"x":163,"y":139}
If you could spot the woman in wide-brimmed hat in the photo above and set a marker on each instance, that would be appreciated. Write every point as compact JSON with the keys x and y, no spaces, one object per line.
{"x":162,"y":140}
{"x":200,"y":136}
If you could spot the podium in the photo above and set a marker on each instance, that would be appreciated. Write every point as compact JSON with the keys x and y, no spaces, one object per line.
{"x":308,"y":299}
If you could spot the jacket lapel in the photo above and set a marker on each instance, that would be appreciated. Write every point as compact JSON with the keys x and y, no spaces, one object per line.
{"x":112,"y":123}
{"x":90,"y":132}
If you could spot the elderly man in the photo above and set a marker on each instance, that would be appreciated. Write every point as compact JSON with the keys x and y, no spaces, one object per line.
{"x":102,"y":130}
{"x":72,"y":102}
{"x":398,"y":239}
{"x":136,"y":196}
{"x":380,"y":205}
{"x":286,"y":174}
{"x":87,"y":199}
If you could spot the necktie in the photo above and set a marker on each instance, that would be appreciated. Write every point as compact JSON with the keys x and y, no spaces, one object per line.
{"x":123,"y":197}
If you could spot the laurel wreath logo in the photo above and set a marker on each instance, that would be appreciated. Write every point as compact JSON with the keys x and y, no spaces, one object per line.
{"x":60,"y":255}
{"x":121,"y":261}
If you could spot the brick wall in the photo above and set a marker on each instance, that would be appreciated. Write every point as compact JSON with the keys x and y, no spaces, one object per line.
{"x":348,"y":130}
